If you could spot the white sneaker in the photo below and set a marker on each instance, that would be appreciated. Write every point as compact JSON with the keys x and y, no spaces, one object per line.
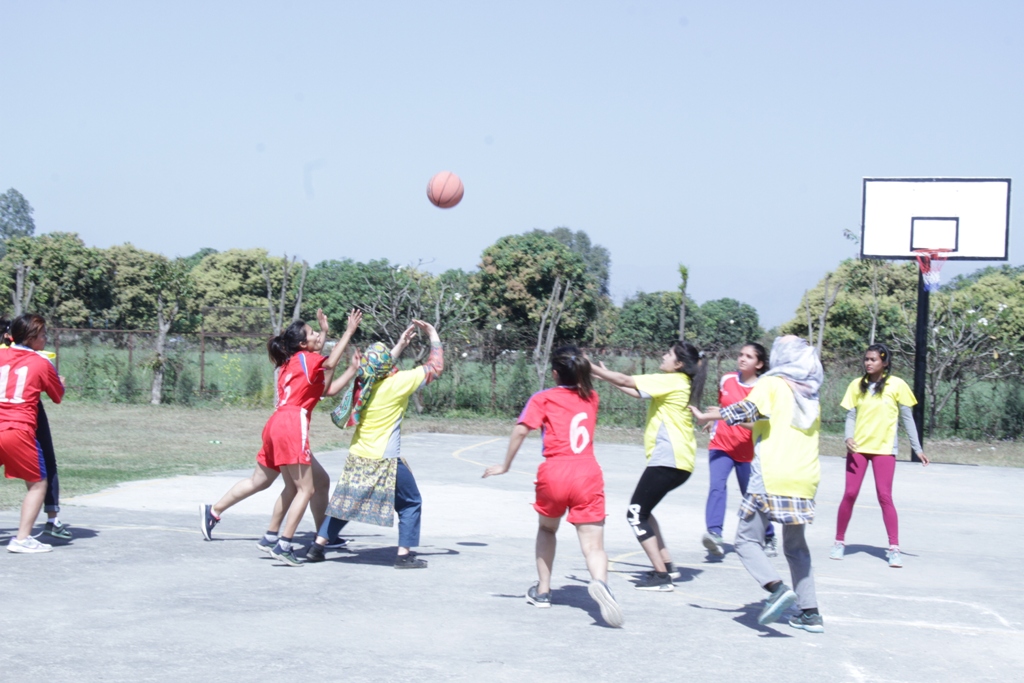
{"x":29,"y":545}
{"x":838,"y":550}
{"x":894,"y":557}
{"x":713,"y":544}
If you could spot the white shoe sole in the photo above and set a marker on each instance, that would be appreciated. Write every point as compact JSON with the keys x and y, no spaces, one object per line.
{"x":775,"y":611}
{"x":21,"y":550}
{"x":610,"y":611}
{"x":202,"y":524}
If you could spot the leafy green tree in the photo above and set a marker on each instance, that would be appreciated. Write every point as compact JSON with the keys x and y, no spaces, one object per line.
{"x":648,"y":322}
{"x":71,"y":282}
{"x":231,"y":289}
{"x":724,"y":324}
{"x":193,"y":260}
{"x":15,"y":217}
{"x":339,"y":286}
{"x":596,"y":259}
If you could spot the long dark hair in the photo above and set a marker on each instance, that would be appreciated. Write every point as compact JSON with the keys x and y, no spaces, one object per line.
{"x":693,"y":365}
{"x":287,"y":344}
{"x":883,"y":352}
{"x":762,"y":357}
{"x":24,"y":327}
{"x":573,"y":370}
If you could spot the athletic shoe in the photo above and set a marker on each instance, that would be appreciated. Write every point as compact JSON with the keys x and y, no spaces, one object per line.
{"x":542,"y":600}
{"x":895,"y":558}
{"x":286,"y":556}
{"x":779,"y":601}
{"x":336,"y":543}
{"x":610,"y":611}
{"x":409,"y":561}
{"x":808,"y":622}
{"x":671,"y":570}
{"x":713,"y":543}
{"x":771,"y":546}
{"x":207,"y":521}
{"x":265,"y":545}
{"x":29,"y":545}
{"x":652,"y":582}
{"x":57,"y":530}
{"x":315,"y":553}
{"x":838,"y":550}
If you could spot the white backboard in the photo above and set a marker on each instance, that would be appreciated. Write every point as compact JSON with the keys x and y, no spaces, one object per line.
{"x":968,"y":216}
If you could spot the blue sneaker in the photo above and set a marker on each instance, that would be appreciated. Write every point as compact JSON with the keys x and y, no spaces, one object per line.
{"x":286,"y":556}
{"x":778,"y":602}
{"x":207,"y":521}
{"x":265,"y":545}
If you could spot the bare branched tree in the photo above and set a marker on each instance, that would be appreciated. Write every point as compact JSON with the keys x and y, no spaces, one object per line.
{"x":287,"y":267}
{"x":23,"y":289}
{"x":828,"y":300}
{"x":548,"y":325}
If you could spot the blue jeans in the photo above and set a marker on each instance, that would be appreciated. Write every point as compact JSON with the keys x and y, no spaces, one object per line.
{"x":408,"y":505}
{"x":719,"y":466}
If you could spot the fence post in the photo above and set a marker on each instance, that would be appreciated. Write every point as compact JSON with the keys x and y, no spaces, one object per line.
{"x":202,"y":359}
{"x":56,"y":349}
{"x":131,"y":344}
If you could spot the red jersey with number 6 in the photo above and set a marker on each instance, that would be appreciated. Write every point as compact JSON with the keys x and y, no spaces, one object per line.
{"x":734,"y":440}
{"x":566,"y":420}
{"x":300,"y":381}
{"x":24,"y":377}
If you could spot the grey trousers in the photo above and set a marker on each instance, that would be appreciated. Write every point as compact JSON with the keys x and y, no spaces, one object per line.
{"x":750,"y":547}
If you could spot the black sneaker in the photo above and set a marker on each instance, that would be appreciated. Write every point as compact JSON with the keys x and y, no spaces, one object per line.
{"x":207,"y":521}
{"x":808,"y":622}
{"x":315,"y":553}
{"x":777,"y":603}
{"x":652,"y":581}
{"x":410,"y":561}
{"x":538,"y":599}
{"x":286,"y":556}
{"x":336,"y":543}
{"x":265,"y":545}
{"x":57,"y":530}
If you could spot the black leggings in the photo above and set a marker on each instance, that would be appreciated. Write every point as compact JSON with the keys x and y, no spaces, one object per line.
{"x":654,"y":484}
{"x":52,"y":501}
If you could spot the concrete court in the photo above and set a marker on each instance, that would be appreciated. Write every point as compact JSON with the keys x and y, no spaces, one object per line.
{"x":139,"y":596}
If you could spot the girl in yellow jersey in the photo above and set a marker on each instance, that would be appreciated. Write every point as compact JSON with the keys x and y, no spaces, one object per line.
{"x":670,"y":444}
{"x":875,"y":403}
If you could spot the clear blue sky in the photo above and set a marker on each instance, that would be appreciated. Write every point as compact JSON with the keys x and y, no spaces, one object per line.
{"x":730,"y":136}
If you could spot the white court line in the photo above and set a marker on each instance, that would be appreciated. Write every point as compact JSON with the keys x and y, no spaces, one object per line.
{"x":980,"y":608}
{"x":937,"y":626}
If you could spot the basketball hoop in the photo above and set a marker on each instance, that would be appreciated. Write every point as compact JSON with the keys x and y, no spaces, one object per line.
{"x":931,"y":262}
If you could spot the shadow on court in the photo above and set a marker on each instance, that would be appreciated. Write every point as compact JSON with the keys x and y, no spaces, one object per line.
{"x":383,"y":557}
{"x":78,"y":533}
{"x":874,"y":551}
{"x":747,"y":616}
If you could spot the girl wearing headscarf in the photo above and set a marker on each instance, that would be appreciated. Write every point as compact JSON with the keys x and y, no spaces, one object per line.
{"x":784,"y":476}
{"x":875,"y":403}
{"x":377,"y":482}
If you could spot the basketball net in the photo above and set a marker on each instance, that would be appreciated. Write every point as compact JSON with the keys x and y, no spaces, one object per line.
{"x":931,"y":262}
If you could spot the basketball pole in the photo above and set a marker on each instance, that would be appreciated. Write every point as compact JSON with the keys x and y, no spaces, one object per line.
{"x":920,"y":359}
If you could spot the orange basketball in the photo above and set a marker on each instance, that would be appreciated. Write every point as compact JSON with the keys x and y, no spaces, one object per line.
{"x":445,"y":190}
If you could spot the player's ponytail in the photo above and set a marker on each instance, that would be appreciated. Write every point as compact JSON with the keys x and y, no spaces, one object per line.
{"x":886,"y":356}
{"x":287,"y":344}
{"x":694,"y":365}
{"x":26,"y":327}
{"x":573,"y":370}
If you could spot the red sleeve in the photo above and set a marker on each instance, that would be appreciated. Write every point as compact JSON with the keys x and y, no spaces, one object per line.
{"x":51,"y":382}
{"x":533,"y":414}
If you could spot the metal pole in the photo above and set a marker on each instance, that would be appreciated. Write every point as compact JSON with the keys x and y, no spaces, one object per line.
{"x":202,"y":359}
{"x":131,"y":344}
{"x":920,"y":359}
{"x":56,"y":349}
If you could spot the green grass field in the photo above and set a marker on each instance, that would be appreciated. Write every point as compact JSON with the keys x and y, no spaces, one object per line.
{"x":101,"y":444}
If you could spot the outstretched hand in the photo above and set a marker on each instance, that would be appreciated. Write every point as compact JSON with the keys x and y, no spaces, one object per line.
{"x":494,"y":470}
{"x":321,"y":319}
{"x":355,"y":316}
{"x":354,"y":361}
{"x":705,"y":417}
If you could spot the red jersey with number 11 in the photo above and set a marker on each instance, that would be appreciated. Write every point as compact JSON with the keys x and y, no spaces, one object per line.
{"x":24,"y":376}
{"x":566,"y":420}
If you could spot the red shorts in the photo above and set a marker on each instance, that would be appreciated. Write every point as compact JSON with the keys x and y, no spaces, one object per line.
{"x":573,"y":483}
{"x":286,"y":440}
{"x":21,"y":456}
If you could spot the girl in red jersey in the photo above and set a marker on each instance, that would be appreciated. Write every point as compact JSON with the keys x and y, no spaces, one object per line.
{"x":24,"y":377}
{"x":732,"y":448}
{"x":569,"y":478}
{"x":301,"y":376}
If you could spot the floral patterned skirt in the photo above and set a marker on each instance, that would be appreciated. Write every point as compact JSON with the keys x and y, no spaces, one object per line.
{"x":366,"y":491}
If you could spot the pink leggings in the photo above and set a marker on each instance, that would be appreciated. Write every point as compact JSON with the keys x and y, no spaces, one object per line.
{"x":856,"y":468}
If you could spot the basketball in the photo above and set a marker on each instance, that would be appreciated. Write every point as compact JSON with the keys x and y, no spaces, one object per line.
{"x":445,"y":190}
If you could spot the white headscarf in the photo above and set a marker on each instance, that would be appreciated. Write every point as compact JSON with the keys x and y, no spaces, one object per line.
{"x":796,"y":362}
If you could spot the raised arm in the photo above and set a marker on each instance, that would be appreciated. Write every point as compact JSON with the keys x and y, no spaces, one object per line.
{"x":519,"y":433}
{"x":403,"y":341}
{"x":339,"y":383}
{"x":435,"y":361}
{"x":355,"y":316}
{"x":617,"y":378}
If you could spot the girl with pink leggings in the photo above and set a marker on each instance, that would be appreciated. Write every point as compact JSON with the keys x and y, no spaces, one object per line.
{"x":876,"y":403}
